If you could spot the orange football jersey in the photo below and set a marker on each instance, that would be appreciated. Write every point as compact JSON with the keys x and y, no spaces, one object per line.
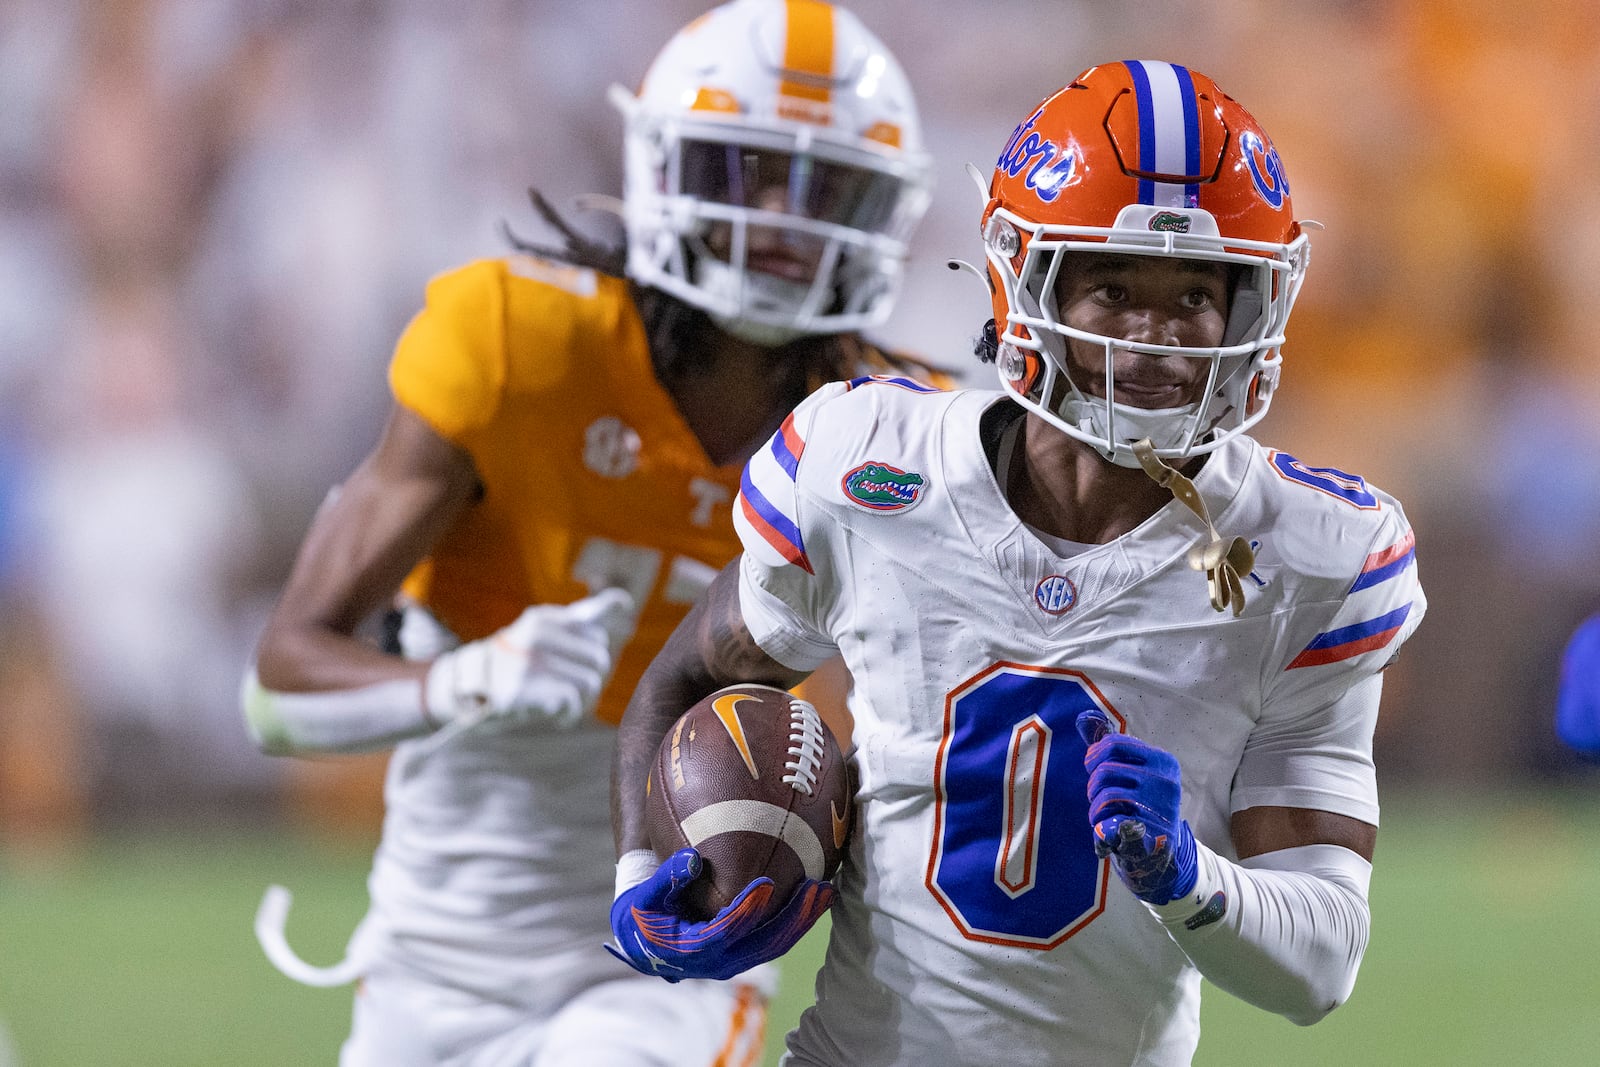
{"x":591,"y":477}
{"x":540,"y":371}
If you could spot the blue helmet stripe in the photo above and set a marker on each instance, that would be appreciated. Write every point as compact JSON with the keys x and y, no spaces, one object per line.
{"x":1191,"y":131}
{"x":1169,"y":131}
{"x":1147,"y":128}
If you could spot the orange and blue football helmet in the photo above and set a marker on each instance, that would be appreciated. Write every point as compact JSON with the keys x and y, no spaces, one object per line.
{"x":774,"y":170}
{"x":1142,"y":158}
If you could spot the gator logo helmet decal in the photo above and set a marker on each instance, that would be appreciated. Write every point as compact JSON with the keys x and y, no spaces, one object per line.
{"x":1169,"y":222}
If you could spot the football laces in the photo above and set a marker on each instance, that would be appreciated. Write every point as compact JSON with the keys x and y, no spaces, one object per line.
{"x":805,"y":747}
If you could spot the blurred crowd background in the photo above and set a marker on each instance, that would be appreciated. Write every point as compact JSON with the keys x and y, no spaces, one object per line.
{"x":217,"y":215}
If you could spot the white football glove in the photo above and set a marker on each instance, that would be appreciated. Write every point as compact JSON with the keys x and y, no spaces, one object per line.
{"x":545,"y":669}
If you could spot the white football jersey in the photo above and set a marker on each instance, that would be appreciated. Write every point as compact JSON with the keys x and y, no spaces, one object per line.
{"x":494,"y":871}
{"x":975,"y":923}
{"x":495,"y":864}
{"x":496,"y":868}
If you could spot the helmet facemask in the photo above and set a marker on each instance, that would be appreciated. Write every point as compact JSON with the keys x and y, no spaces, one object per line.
{"x":712,"y":203}
{"x":1241,"y":373}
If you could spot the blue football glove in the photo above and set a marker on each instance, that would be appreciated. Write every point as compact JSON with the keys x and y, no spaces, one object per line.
{"x":1578,"y":703}
{"x":1134,"y":794}
{"x":653,"y":939}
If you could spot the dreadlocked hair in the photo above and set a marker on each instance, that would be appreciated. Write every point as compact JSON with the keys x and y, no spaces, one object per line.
{"x":577,"y":249}
{"x":681,"y":337}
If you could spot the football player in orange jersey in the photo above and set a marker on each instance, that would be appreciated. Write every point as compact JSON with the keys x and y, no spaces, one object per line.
{"x":552,"y":491}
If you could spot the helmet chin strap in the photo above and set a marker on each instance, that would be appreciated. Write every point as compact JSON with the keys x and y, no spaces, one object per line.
{"x":719,"y":280}
{"x":1089,"y":414}
{"x":757,"y":333}
{"x":1223,"y":561}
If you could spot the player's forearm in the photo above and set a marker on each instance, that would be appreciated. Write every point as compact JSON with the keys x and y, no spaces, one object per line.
{"x":1292,"y":928}
{"x":315,"y":690}
{"x":358,"y":719}
{"x":671,"y":684}
{"x":305,"y":656}
{"x":710,"y":649}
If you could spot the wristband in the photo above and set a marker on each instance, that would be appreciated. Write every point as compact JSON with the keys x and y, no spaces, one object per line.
{"x":1204,"y":903}
{"x":634,"y":867}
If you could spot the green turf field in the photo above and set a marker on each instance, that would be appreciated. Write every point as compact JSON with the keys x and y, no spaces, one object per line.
{"x":1485,"y":931}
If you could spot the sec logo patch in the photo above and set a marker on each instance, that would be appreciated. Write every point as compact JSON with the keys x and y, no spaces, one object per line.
{"x":1055,"y":595}
{"x":611,"y":447}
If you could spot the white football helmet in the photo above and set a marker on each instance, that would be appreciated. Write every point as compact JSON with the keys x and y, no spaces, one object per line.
{"x":773,"y":170}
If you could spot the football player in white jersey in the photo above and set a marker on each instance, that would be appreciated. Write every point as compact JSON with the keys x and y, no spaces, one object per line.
{"x":550,"y":493}
{"x":1117,"y":664}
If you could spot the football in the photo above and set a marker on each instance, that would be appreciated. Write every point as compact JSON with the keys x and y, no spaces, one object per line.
{"x":752,"y":779}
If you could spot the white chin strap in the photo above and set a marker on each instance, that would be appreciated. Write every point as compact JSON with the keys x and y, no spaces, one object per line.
{"x":757,"y":333}
{"x":1162,"y":427}
{"x":758,"y":294}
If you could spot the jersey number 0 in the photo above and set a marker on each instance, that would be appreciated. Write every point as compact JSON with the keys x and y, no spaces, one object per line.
{"x":1013,"y":860}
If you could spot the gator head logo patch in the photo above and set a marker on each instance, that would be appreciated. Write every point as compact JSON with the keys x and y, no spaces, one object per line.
{"x":880,"y":487}
{"x":1169,"y":222}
